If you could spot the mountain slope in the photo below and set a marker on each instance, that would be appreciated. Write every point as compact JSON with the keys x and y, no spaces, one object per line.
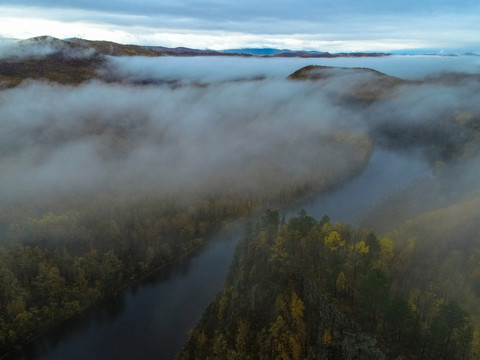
{"x":73,"y":61}
{"x":272,"y":305}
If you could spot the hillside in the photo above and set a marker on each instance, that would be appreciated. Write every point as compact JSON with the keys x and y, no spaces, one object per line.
{"x":115,"y":49}
{"x":73,"y":61}
{"x":309,"y":289}
{"x":56,"y":67}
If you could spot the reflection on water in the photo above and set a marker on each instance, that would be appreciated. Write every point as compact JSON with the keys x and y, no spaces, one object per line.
{"x":151,"y":319}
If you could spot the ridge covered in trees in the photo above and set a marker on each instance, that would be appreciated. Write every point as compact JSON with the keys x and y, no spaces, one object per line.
{"x":308,"y":289}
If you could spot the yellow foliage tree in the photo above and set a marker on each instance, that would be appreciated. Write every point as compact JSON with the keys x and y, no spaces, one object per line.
{"x":362,"y":248}
{"x":333,"y":241}
{"x":386,"y":247}
{"x":242,"y":336}
{"x":297,"y":338}
{"x":341,"y":283}
{"x":297,"y":307}
{"x":327,"y":338}
{"x":280,"y":339}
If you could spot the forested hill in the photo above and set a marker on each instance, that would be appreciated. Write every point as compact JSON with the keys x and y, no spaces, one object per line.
{"x":311,"y":289}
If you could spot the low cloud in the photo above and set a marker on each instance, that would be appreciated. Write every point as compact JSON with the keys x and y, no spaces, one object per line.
{"x":100,"y":136}
{"x":36,"y":48}
{"x":215,"y":69}
{"x":211,"y":130}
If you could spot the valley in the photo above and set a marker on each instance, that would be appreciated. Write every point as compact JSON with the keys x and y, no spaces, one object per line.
{"x":111,"y":175}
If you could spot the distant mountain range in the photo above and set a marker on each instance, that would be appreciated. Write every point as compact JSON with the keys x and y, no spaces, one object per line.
{"x":435,"y":52}
{"x":256,"y":51}
{"x":115,"y":49}
{"x":271,"y":52}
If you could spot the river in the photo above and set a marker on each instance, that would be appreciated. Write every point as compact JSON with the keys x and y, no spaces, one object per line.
{"x":151,"y":320}
{"x":386,"y":172}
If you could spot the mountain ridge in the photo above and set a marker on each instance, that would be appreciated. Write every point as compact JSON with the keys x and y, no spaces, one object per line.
{"x":116,"y":49}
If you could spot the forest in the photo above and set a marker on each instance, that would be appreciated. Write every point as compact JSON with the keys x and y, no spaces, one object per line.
{"x":111,"y":170}
{"x":312,"y":289}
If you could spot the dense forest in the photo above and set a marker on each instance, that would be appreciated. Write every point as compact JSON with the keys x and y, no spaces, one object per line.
{"x":308,"y":289}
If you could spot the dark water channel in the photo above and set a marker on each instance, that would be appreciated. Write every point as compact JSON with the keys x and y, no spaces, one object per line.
{"x":151,"y":320}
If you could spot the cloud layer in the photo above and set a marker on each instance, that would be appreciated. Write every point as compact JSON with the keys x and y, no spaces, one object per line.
{"x":339,"y":26}
{"x":110,"y":137}
{"x":210,"y":130}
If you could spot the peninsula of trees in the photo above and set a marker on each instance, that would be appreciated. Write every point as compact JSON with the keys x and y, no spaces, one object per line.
{"x":312,"y":289}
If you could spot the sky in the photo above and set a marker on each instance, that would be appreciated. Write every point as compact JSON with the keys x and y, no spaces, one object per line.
{"x":334,"y":26}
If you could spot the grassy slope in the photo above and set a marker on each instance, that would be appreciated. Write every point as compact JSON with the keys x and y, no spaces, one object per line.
{"x":54,"y":68}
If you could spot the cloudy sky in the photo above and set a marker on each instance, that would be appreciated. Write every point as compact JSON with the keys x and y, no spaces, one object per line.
{"x":335,"y":26}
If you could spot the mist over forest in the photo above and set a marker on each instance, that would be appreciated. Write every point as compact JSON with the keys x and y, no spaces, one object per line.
{"x":225,"y":113}
{"x":106,"y":180}
{"x":100,"y":135}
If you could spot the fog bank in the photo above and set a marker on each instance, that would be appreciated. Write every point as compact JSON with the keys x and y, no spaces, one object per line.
{"x":209,"y":69}
{"x":99,"y":135}
{"x":212,"y":132}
